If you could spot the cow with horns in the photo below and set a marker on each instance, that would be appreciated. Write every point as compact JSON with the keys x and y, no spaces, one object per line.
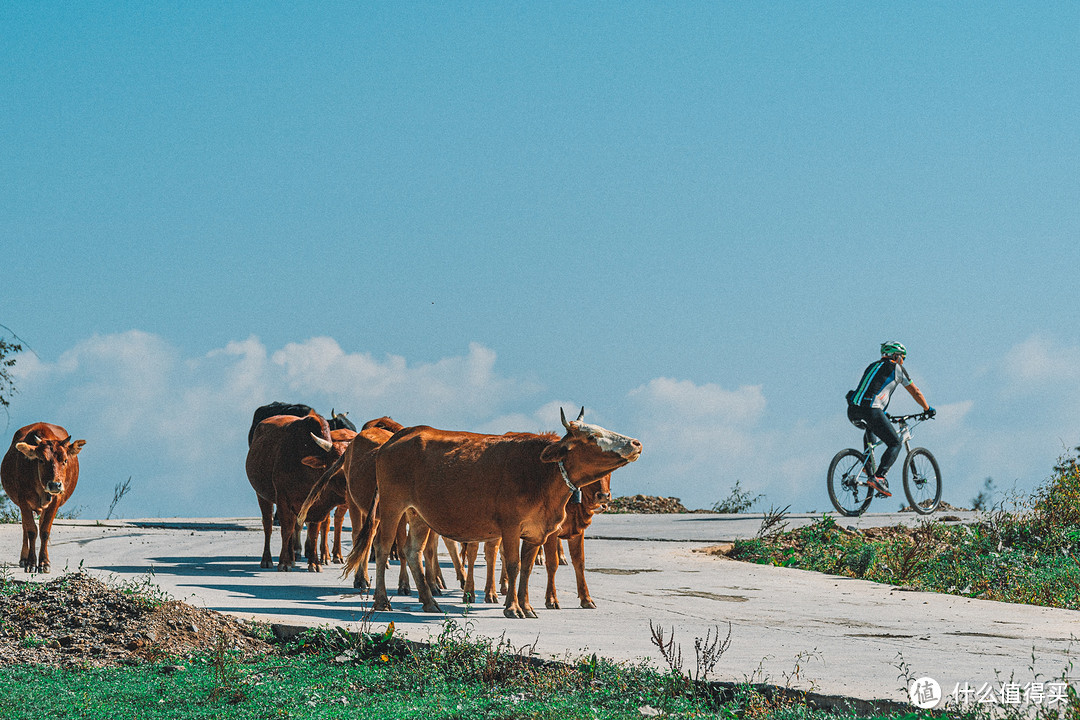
{"x":473,"y":488}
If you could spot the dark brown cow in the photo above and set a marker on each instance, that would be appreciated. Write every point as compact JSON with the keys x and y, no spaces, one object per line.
{"x":578,"y":517}
{"x":287,"y":456}
{"x":39,"y":472}
{"x":472,"y":488}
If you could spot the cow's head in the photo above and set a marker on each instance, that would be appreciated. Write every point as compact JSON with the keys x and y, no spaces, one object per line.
{"x":328,"y":452}
{"x":595,"y":497}
{"x":593,"y":450}
{"x":51,"y":459}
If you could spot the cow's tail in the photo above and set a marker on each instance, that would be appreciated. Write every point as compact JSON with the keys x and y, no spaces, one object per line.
{"x":317,"y":489}
{"x":362,"y":546}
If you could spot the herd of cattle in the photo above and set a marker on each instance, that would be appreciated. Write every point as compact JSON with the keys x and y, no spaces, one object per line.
{"x":403,"y":488}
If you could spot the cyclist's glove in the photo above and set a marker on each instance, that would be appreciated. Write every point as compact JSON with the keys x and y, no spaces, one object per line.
{"x":930,"y":412}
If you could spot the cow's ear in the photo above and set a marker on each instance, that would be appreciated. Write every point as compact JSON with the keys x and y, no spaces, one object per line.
{"x":554,"y":453}
{"x":75,"y":447}
{"x":30,"y":451}
{"x":313,"y":461}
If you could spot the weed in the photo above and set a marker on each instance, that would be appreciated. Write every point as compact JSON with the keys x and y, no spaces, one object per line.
{"x":119,"y":491}
{"x":773,"y":523}
{"x":224,"y":664}
{"x":737,"y":501}
{"x":707,"y":653}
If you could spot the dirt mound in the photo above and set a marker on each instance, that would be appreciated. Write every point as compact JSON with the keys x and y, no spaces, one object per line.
{"x":646,"y":504}
{"x":78,"y":620}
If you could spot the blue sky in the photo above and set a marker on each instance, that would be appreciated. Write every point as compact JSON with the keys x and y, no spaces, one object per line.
{"x":698,"y":220}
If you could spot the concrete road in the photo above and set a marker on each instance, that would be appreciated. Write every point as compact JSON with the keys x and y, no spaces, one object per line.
{"x":830,"y":634}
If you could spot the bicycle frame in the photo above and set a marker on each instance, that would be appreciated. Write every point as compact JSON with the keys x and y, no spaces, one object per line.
{"x":904,"y":424}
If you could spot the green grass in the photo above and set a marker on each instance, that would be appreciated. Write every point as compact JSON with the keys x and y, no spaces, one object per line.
{"x":333,"y":674}
{"x":1028,"y":552}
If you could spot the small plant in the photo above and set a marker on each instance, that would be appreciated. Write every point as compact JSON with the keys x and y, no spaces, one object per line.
{"x":774,"y":523}
{"x":984,"y":500}
{"x":119,"y":491}
{"x":224,"y":664}
{"x":737,"y":501}
{"x":707,"y":653}
{"x":8,"y":512}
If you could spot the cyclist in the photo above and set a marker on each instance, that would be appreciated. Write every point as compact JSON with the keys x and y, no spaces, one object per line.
{"x":867,"y":403}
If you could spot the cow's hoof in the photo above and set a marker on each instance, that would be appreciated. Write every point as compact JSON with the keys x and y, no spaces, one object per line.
{"x":381,"y":605}
{"x":491,"y":598}
{"x":266,"y":564}
{"x":435,"y":590}
{"x":361,"y":584}
{"x":282,"y":568}
{"x":314,"y":567}
{"x":529,"y":612}
{"x":588,"y":604}
{"x":338,"y":559}
{"x":432,"y":607}
{"x":468,"y":597}
{"x":552,"y":605}
{"x":404,"y":590}
{"x":513,"y":612}
{"x":44,"y":568}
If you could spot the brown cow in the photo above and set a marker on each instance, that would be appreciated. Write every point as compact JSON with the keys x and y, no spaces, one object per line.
{"x":572,"y":529}
{"x":39,"y":472}
{"x":357,"y":465}
{"x":578,"y":517}
{"x":287,"y":456}
{"x":333,"y":497}
{"x":472,"y":487}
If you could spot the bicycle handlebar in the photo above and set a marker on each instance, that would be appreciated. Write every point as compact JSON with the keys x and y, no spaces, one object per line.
{"x":925,"y":415}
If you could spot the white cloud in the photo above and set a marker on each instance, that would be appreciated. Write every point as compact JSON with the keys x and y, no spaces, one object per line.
{"x":179,"y":425}
{"x":1040,"y":362}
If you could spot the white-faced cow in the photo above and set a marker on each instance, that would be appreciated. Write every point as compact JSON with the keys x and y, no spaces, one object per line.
{"x":474,"y":488}
{"x":39,"y":473}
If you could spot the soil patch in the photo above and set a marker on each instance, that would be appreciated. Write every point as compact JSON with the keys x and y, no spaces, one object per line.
{"x":78,"y":621}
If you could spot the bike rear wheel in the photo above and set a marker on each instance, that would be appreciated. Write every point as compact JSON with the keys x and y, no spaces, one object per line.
{"x":922,"y":481}
{"x":847,"y":483}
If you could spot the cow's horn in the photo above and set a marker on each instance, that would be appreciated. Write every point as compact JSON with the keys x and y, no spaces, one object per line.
{"x":325,"y":444}
{"x":562,"y":416}
{"x":581,"y":414}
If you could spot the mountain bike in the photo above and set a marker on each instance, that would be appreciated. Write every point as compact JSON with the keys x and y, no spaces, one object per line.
{"x":850,"y":469}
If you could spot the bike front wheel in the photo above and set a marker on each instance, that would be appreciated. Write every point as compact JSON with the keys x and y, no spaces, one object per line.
{"x":922,"y":481}
{"x":847,"y":483}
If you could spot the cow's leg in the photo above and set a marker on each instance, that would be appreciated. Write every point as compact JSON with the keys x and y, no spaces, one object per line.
{"x":289,"y":540}
{"x":452,"y":551}
{"x":267,"y":509}
{"x":324,"y":541}
{"x":551,"y":558}
{"x":414,"y":547}
{"x":577,"y":557}
{"x":339,"y":522}
{"x":468,"y":555}
{"x":315,"y":533}
{"x":562,"y":555}
{"x":529,"y":551}
{"x":28,"y":556}
{"x":491,"y":555}
{"x":432,"y":571}
{"x":512,"y":566}
{"x":403,"y":571}
{"x":47,"y":517}
{"x":384,"y":537}
{"x":362,"y":580}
